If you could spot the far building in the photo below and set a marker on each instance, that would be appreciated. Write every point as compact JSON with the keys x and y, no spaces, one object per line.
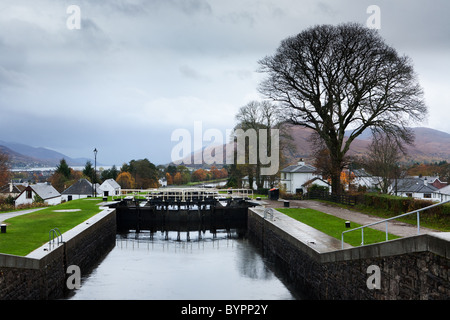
{"x":110,"y":187}
{"x":415,"y":188}
{"x":36,"y":192}
{"x":294,"y":177}
{"x":81,"y":189}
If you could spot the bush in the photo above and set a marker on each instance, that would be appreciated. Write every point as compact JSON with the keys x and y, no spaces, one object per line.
{"x":394,"y":205}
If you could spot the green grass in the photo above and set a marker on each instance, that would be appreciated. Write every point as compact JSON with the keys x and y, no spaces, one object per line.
{"x":334,"y":226}
{"x":28,"y":232}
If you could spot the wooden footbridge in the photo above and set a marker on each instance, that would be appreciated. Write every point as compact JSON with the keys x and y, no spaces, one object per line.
{"x":186,"y":208}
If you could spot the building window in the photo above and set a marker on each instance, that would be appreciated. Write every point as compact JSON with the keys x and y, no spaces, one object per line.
{"x":29,"y":194}
{"x":427,"y":195}
{"x":408,"y":194}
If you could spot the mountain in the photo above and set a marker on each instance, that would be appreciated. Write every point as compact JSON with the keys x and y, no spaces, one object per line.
{"x":430,"y":146}
{"x":22,"y":155}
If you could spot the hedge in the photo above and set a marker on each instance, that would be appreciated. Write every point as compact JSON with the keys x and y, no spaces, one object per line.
{"x":395,"y":205}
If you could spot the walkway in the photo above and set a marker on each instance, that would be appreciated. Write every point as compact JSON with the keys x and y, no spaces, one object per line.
{"x":394,"y":227}
{"x":7,"y":215}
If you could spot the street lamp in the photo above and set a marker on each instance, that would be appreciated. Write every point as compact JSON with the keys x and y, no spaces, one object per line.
{"x":94,"y":180}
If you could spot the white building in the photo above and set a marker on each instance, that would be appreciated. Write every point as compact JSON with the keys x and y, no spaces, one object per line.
{"x":364,"y":179}
{"x":443,"y":194}
{"x":45,"y":191}
{"x":81,"y":189}
{"x":415,"y":188}
{"x":110,"y":187}
{"x":318,"y":182}
{"x":294,"y":177}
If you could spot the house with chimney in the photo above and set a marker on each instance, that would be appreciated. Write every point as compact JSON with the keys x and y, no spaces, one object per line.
{"x":12,"y":189}
{"x":414,"y":187}
{"x":296,"y":178}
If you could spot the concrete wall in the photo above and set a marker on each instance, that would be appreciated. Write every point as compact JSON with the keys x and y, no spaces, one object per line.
{"x":42,"y":273}
{"x":410,"y":268}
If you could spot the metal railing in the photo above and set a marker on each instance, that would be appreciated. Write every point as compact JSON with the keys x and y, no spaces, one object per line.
{"x":51,"y":237}
{"x":182,"y":194}
{"x":387,"y":220}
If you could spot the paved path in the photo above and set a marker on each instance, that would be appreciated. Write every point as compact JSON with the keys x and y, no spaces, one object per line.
{"x":7,"y":215}
{"x":394,"y":227}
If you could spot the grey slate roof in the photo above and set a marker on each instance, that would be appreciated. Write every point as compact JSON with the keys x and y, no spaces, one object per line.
{"x":112,"y":183}
{"x":82,"y":186}
{"x":415,"y":185}
{"x":45,"y":191}
{"x":305,"y":168}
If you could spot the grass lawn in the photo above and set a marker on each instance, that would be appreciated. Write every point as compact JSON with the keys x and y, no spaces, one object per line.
{"x":28,"y":232}
{"x":334,"y":226}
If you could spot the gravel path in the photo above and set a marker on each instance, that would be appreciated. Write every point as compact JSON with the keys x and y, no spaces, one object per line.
{"x":7,"y":215}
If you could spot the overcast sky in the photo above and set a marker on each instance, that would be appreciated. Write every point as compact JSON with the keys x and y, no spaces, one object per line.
{"x":137,"y":70}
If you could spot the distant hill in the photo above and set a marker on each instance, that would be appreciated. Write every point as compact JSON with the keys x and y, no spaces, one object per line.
{"x":25,"y":156}
{"x":430,"y":146}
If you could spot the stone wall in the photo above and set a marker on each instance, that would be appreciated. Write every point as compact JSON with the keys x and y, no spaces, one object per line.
{"x":410,"y":268}
{"x":42,"y":274}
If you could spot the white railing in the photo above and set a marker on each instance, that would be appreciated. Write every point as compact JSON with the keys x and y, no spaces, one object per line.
{"x":387,"y":220}
{"x":183,"y":194}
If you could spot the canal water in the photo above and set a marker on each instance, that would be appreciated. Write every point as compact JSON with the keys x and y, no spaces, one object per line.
{"x":205,"y":265}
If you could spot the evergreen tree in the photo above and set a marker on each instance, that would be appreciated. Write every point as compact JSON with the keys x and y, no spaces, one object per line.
{"x":63,"y":169}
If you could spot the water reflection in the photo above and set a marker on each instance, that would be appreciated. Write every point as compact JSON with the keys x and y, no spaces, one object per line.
{"x":220,"y":265}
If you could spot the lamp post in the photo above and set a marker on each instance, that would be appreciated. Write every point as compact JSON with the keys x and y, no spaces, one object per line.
{"x":94,"y":181}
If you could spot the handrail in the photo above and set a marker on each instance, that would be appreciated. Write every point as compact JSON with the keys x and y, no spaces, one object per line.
{"x":392,"y":218}
{"x":51,"y":236}
{"x":183,"y":194}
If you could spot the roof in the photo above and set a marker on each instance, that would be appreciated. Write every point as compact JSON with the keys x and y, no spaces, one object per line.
{"x":45,"y":191}
{"x":414,"y":185}
{"x":311,"y":181}
{"x":82,"y":186}
{"x":302,"y":168}
{"x":112,"y":183}
{"x":15,"y":188}
{"x":361,"y":173}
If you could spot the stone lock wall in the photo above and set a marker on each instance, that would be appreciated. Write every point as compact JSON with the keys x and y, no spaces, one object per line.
{"x":410,"y":268}
{"x":42,"y":274}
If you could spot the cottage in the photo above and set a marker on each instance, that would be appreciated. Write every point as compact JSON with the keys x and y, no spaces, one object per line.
{"x":318,"y":182}
{"x":361,"y":178}
{"x":295,"y":176}
{"x":36,"y":192}
{"x":81,"y":189}
{"x":434,"y":181}
{"x":11,"y":190}
{"x":415,"y":188}
{"x":443,"y":194}
{"x":110,"y":187}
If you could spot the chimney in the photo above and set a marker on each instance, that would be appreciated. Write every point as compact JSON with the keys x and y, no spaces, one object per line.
{"x":11,"y":185}
{"x":301,"y":162}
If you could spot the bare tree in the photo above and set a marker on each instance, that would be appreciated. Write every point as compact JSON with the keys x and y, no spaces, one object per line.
{"x":257,"y":115}
{"x":382,"y":160}
{"x":340,"y":80}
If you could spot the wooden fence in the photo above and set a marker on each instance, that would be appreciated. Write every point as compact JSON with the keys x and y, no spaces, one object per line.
{"x":337,"y":198}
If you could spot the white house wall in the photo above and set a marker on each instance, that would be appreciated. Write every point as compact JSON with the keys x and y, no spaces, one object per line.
{"x":295,"y":181}
{"x":22,"y":199}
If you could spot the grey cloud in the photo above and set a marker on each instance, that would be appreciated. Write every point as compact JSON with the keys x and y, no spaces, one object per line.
{"x":192,"y":73}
